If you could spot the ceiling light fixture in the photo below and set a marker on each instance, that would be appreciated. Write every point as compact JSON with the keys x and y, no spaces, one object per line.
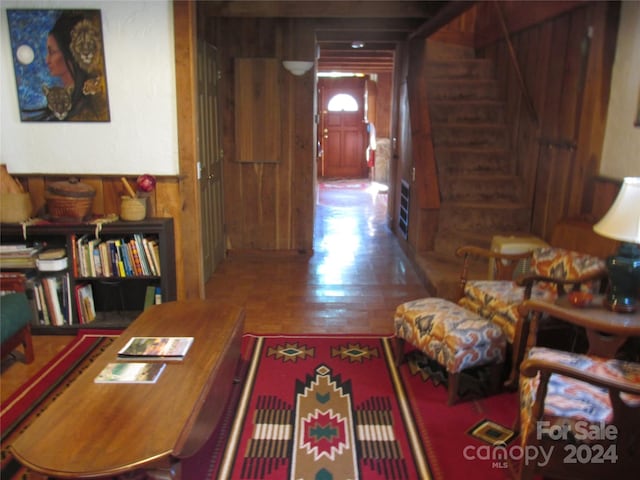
{"x":357,"y":44}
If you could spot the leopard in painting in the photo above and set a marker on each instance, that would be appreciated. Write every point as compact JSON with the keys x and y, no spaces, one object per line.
{"x":58,"y":100}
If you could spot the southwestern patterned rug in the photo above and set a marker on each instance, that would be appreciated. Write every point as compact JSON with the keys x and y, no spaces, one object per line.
{"x":321,"y":407}
{"x":336,"y":407}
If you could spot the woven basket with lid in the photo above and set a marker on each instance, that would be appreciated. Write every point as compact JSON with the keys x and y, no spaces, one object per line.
{"x":69,"y":200}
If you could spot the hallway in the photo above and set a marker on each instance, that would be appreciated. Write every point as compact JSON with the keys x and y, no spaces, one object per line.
{"x":351,"y":283}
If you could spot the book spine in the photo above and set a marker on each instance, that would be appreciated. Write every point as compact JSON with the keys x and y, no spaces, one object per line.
{"x":135,"y":255}
{"x":79,"y":308}
{"x":104,"y":259}
{"x":141,"y":253}
{"x":120,"y":262}
{"x":74,"y":255}
{"x":155,"y":250}
{"x":113,"y":254}
{"x":80,"y":256}
{"x":147,"y":250}
{"x":53,"y":302}
{"x":149,"y":298}
{"x":65,"y":297}
{"x":97,"y":261}
{"x":46,"y":319}
{"x":126,"y":259}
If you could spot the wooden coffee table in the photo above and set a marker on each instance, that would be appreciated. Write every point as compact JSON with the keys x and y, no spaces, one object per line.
{"x":96,"y":430}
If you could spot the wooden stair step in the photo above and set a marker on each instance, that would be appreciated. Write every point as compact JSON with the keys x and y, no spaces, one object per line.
{"x":455,"y":159}
{"x":470,"y":135}
{"x":462,"y":68}
{"x":467,"y":111}
{"x":447,"y":89}
{"x":481,"y":216}
{"x":481,"y":188}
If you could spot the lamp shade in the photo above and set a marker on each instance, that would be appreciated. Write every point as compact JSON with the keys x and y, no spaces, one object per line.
{"x":622,"y":221}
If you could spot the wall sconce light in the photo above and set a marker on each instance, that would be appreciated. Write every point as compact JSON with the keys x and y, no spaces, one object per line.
{"x":297,"y":68}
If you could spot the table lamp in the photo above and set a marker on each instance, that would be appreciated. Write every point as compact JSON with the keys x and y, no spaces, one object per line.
{"x":622,"y":222}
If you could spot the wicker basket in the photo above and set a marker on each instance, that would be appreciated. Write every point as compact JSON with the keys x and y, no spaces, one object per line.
{"x":69,"y":201}
{"x":15,"y":207}
{"x":133,"y":209}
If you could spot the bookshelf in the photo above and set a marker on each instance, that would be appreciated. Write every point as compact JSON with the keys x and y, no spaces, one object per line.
{"x":116,"y":294}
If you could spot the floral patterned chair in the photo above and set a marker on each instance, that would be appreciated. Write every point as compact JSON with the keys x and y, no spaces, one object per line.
{"x":553,"y":272}
{"x":583,"y":410}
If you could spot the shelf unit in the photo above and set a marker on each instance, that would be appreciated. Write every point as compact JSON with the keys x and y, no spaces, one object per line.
{"x":118,"y":299}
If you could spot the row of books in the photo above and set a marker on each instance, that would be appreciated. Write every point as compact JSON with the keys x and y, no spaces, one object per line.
{"x":51,"y":298}
{"x":18,"y":256}
{"x":137,"y":256}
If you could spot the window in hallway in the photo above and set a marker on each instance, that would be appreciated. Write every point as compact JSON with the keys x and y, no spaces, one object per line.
{"x":342,"y":102}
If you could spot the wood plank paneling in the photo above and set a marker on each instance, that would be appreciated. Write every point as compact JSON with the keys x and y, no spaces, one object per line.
{"x":566,"y":62}
{"x":269,"y":206}
{"x":257,"y":116}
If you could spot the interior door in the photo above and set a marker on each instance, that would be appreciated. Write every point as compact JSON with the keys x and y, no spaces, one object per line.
{"x":343,"y":136}
{"x":210,"y":159}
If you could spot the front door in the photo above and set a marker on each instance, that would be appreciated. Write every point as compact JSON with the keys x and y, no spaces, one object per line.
{"x":210,"y":159}
{"x":342,"y":135}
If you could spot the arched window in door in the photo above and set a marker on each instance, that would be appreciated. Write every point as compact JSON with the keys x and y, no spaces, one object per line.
{"x":343,"y":102}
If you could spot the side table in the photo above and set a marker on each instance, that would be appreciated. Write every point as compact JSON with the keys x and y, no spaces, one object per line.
{"x":606,"y":331}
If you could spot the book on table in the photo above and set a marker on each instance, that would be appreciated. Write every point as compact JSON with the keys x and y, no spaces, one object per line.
{"x":130,"y":372}
{"x":149,"y":348}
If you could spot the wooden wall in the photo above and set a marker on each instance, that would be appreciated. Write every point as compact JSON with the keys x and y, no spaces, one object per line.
{"x":269,"y":206}
{"x":566,"y":57}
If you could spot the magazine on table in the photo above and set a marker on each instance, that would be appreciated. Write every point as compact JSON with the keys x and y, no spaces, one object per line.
{"x":130,"y":372}
{"x":149,"y":348}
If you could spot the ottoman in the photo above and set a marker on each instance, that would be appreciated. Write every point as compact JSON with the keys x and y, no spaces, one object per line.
{"x":456,"y":338}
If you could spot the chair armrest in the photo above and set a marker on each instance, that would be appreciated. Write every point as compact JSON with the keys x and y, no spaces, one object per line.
{"x":505,"y":262}
{"x":570,"y":365}
{"x":472,"y":251}
{"x":529,"y":279}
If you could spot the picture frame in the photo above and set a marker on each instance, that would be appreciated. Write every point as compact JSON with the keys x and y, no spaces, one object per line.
{"x":59,"y":64}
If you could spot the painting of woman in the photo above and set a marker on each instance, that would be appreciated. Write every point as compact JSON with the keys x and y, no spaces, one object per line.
{"x":59,"y":63}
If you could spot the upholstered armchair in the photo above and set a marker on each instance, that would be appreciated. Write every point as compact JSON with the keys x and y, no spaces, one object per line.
{"x":582,"y":410}
{"x":15,"y":318}
{"x":552,"y":273}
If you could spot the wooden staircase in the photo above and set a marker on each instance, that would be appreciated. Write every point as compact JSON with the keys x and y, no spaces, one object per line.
{"x":481,"y":196}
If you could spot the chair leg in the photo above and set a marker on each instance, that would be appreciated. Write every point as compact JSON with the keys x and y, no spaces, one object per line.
{"x":495,"y":375}
{"x":399,"y":351}
{"x":453,"y":385}
{"x":518,"y":349}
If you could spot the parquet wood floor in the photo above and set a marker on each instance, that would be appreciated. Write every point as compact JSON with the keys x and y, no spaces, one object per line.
{"x":351,"y":283}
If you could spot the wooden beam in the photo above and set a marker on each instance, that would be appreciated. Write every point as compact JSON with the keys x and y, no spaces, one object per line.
{"x":188,"y":227}
{"x":322,"y":9}
{"x":442,"y":17}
